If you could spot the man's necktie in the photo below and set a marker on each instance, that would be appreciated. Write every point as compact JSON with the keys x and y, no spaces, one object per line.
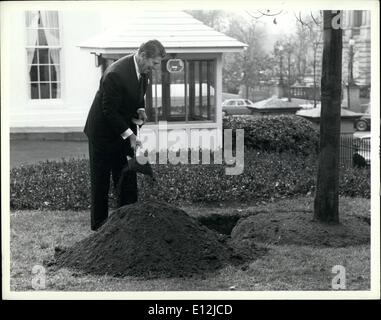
{"x":141,"y":88}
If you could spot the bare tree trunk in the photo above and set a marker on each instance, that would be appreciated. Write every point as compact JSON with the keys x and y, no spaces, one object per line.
{"x":315,"y":49}
{"x":326,"y":206}
{"x":289,"y":78}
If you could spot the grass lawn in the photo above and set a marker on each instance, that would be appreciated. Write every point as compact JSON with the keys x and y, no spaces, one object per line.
{"x":34,"y":234}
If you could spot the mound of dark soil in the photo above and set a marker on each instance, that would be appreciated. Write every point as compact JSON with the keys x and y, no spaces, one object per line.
{"x":299,"y":228}
{"x":151,"y":239}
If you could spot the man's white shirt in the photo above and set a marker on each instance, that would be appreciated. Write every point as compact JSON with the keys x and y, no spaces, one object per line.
{"x":129,"y":132}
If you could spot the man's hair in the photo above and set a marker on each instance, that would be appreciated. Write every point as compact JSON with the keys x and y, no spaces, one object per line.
{"x":152,"y":48}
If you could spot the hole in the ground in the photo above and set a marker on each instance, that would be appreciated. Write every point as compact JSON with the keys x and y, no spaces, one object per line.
{"x":221,"y":223}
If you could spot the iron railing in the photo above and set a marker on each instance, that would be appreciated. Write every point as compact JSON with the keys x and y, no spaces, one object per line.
{"x":354,"y":151}
{"x":303,"y":92}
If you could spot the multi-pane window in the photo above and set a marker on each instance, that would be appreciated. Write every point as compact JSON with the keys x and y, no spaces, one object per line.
{"x":357,"y":18}
{"x":188,"y":95}
{"x":154,"y":103}
{"x":357,"y":22}
{"x":43,"y":54}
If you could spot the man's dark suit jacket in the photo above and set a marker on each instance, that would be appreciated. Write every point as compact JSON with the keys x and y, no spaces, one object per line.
{"x":115,"y":103}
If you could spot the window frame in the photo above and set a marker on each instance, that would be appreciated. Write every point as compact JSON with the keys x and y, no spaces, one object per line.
{"x":357,"y":22}
{"x":45,"y":101}
{"x":210,"y":77}
{"x":231,"y":103}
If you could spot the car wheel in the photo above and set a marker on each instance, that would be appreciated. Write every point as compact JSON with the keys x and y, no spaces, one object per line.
{"x":361,"y":125}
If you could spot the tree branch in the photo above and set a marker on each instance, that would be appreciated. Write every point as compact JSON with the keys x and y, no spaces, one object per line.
{"x":306,"y":24}
{"x":313,"y":18}
{"x":251,"y":15}
{"x":263,"y":14}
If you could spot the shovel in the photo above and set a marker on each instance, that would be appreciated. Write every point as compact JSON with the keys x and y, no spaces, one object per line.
{"x":133,"y":165}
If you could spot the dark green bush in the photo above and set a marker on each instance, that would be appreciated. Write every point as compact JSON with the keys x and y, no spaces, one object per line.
{"x":276,"y":133}
{"x":355,"y":182}
{"x":54,"y":185}
{"x":66,"y":185}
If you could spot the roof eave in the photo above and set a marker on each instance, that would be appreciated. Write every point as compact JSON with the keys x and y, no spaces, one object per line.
{"x":102,"y":50}
{"x":318,"y":117}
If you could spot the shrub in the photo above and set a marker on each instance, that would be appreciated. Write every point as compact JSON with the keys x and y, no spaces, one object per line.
{"x":66,"y":185}
{"x":355,"y":182}
{"x":276,"y":133}
{"x":54,"y":185}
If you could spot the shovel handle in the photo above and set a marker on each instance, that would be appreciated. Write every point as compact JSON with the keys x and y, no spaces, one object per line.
{"x":138,"y":132}
{"x":137,"y":137}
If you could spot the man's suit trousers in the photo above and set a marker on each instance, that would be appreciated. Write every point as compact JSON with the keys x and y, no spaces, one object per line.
{"x":107,"y":161}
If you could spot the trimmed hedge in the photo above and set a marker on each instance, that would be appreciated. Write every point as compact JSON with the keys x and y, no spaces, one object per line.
{"x":276,"y":133}
{"x":66,"y":185}
{"x":63,"y":185}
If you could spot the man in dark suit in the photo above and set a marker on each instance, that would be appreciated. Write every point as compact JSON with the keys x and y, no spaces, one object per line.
{"x":111,"y":130}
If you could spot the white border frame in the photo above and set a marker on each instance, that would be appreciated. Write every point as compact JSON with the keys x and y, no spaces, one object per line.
{"x":373,"y":293}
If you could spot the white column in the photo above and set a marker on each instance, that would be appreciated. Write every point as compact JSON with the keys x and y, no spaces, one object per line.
{"x":364,"y":18}
{"x":347,"y":19}
{"x":218,"y":91}
{"x":367,"y":20}
{"x":347,"y":23}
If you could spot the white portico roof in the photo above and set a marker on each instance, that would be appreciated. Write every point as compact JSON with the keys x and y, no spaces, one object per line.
{"x":315,"y":113}
{"x":178,"y":31}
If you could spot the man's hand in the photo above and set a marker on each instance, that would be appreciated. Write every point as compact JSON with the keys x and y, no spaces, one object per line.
{"x":142,"y":115}
{"x":134,"y":141}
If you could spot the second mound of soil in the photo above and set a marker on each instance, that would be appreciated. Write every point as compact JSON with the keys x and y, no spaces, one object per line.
{"x":299,"y":228}
{"x":150,"y":239}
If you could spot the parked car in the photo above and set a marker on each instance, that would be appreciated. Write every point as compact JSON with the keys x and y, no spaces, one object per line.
{"x":236,"y":106}
{"x":363,"y":124}
{"x":361,"y":145}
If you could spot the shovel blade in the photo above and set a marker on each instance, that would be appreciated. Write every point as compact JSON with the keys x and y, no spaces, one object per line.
{"x":135,"y":165}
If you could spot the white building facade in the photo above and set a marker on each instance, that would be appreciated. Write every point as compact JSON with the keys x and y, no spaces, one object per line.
{"x":58,"y":58}
{"x":51,"y":82}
